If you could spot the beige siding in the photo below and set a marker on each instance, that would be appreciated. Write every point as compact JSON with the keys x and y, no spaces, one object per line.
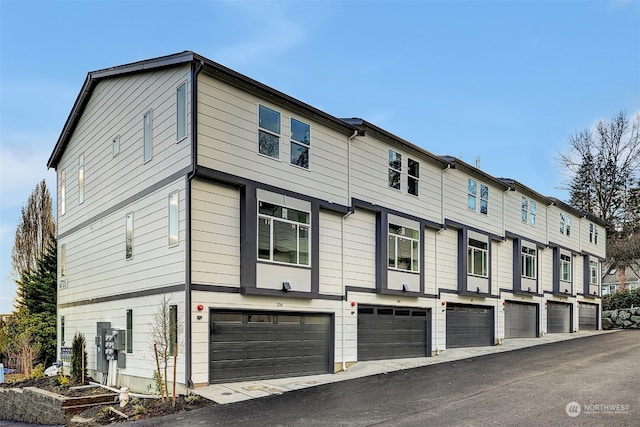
{"x":513,"y":217}
{"x":215,"y":232}
{"x":330,"y":253}
{"x":429,"y":262}
{"x":141,"y":363}
{"x":360,"y":249}
{"x":95,"y":255}
{"x":447,"y":259}
{"x":455,"y":203}
{"x":370,"y":179}
{"x":545,"y":269}
{"x":228,"y":141}
{"x":116,"y":108}
{"x":502,"y":274}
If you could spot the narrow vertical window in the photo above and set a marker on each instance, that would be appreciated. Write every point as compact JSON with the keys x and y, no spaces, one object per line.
{"x":300,"y":143}
{"x":173,"y":219}
{"x":413,"y":178}
{"x":63,"y":260}
{"x":568,"y":218}
{"x":590,"y":233}
{"x":173,"y":328}
{"x":561,"y":223}
{"x":525,"y":209}
{"x":129,"y":331}
{"x":532,"y":213}
{"x":472,"y":192}
{"x":63,"y":192}
{"x":268,"y":132}
{"x":395,"y":167}
{"x":484,"y":199}
{"x":147,"y":136}
{"x":115,"y":146}
{"x":181,"y":112}
{"x":62,"y":330}
{"x":595,"y":238}
{"x":129,"y":236}
{"x":565,"y":268}
{"x":593,"y":266}
{"x":80,"y":179}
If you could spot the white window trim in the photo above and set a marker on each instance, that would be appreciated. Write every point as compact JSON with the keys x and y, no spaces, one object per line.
{"x":174,"y":221}
{"x":147,"y":137}
{"x":568,"y":263}
{"x":302,"y":144}
{"x":524,"y":210}
{"x":129,"y":228}
{"x":413,"y":177}
{"x":485,"y":257}
{"x":182,"y":116}
{"x":287,"y":221}
{"x":593,"y":273}
{"x":63,"y":192}
{"x":532,"y":213}
{"x":81,"y":178}
{"x":411,"y":240}
{"x":484,"y":199}
{"x":63,"y":260}
{"x":398,"y":171}
{"x":474,"y":195}
{"x":527,"y":256}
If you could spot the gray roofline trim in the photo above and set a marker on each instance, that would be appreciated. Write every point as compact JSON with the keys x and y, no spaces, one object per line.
{"x":211,"y":68}
{"x":383,"y":134}
{"x":456,"y":163}
{"x":518,"y":186}
{"x":578,"y":212}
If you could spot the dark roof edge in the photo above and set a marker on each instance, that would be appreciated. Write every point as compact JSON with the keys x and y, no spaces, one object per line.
{"x":358,"y":122}
{"x":168,"y":61}
{"x":516,"y":185}
{"x":578,"y":212}
{"x":454,"y":162}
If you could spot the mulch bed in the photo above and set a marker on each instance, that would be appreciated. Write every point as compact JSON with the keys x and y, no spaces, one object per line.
{"x":136,"y":409}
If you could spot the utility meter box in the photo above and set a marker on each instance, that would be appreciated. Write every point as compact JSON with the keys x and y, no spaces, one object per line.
{"x":118,"y":338}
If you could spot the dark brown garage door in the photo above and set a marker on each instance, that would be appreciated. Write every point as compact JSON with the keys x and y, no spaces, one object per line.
{"x":247,"y":345}
{"x":521,"y":320}
{"x":469,"y":325}
{"x":393,"y":332}
{"x":588,"y":316}
{"x":558,"y":317}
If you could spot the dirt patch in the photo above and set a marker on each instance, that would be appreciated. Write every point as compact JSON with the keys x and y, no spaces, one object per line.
{"x":136,"y":409}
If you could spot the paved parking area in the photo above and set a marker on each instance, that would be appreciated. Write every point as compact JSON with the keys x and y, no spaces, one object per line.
{"x":240,"y":391}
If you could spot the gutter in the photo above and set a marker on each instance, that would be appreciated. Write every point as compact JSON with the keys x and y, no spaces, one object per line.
{"x":189,"y":178}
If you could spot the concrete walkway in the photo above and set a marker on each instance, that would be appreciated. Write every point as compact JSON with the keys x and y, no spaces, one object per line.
{"x":236,"y":392}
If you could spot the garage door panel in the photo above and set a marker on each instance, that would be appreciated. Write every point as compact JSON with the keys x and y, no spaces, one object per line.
{"x":521,"y":320}
{"x":268,"y":345}
{"x":469,"y":326}
{"x":558,"y":317}
{"x":389,"y":333}
{"x":588,"y":316}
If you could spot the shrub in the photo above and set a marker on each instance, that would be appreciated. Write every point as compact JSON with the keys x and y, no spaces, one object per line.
{"x":191,"y":398}
{"x":622,"y":299}
{"x":37,"y":372}
{"x":77,"y":354}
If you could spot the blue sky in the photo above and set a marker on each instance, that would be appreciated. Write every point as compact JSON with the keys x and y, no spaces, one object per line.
{"x":504,"y":81}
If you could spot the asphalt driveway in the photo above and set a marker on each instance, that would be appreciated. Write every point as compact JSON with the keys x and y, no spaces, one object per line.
{"x":586,"y":381}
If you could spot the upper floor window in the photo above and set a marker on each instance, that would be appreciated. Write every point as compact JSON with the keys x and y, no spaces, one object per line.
{"x":268,"y":132}
{"x":404,"y":248}
{"x":63,"y":260}
{"x":300,"y":143}
{"x":529,"y":257}
{"x":532,"y":213}
{"x":413,"y":178}
{"x":115,"y":145}
{"x":593,"y":273}
{"x":565,"y":268}
{"x":181,"y":112}
{"x":283,"y":234}
{"x":561,"y":223}
{"x":593,"y":234}
{"x":472,"y":196}
{"x":63,"y":192}
{"x":80,"y":179}
{"x":525,"y":209}
{"x":395,"y":168}
{"x":129,"y":235}
{"x":173,"y":219}
{"x":568,"y":219}
{"x":478,"y":258}
{"x":565,"y":224}
{"x":147,"y":138}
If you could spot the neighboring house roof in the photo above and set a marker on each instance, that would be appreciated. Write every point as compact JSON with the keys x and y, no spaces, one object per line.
{"x":208,"y":66}
{"x":612,"y":277}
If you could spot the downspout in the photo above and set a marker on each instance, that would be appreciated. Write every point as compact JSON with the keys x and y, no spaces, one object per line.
{"x":190,"y":176}
{"x":344,"y":282}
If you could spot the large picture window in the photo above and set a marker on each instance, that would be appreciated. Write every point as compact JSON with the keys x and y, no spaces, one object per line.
{"x":283,"y":234}
{"x":529,"y":256}
{"x":404,"y":248}
{"x":268,"y":132}
{"x":300,"y":143}
{"x":565,"y":268}
{"x":478,"y":258}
